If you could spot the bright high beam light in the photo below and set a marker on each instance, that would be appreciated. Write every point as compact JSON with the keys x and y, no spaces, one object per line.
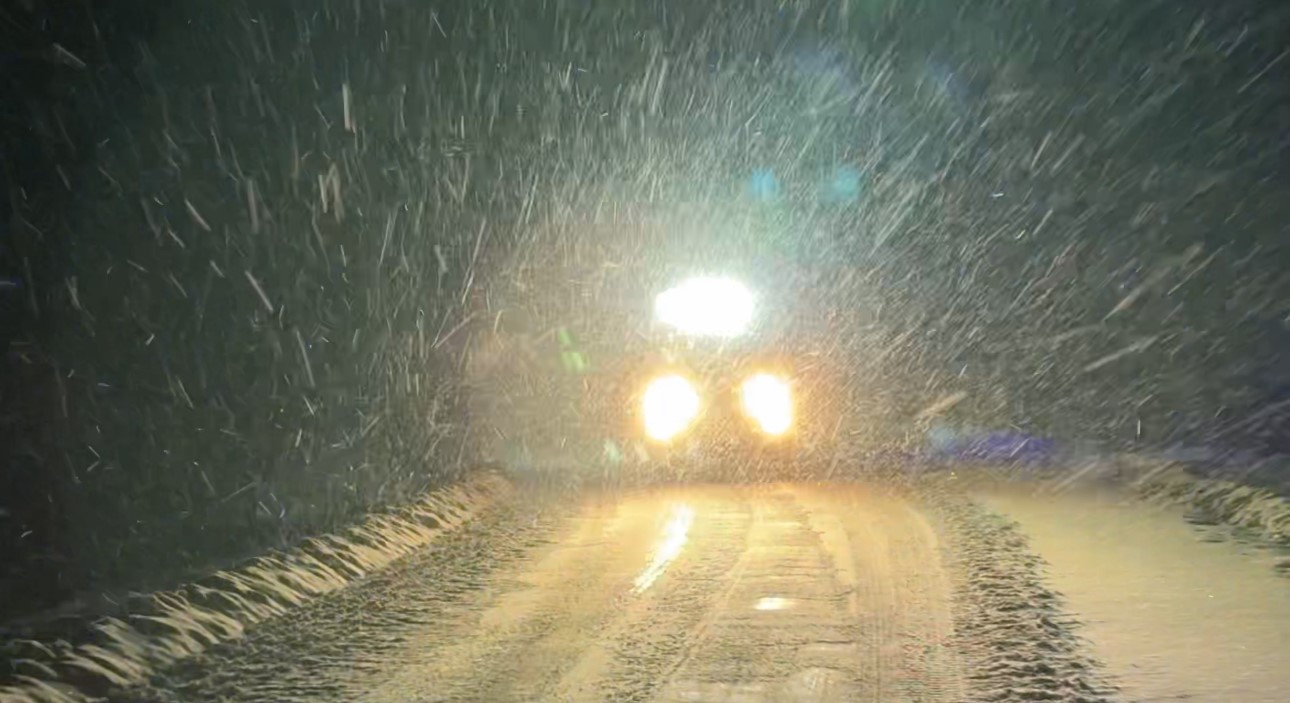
{"x":768,"y":400}
{"x":706,"y":307}
{"x":671,"y":404}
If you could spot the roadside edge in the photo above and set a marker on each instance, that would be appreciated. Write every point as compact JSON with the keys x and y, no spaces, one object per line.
{"x":176,"y":624}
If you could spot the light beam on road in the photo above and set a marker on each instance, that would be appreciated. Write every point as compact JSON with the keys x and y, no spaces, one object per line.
{"x":675,"y":534}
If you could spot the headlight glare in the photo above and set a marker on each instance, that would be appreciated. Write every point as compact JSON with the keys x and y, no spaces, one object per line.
{"x":768,"y":400}
{"x":670,"y":405}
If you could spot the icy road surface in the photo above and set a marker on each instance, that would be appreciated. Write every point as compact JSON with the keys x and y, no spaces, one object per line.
{"x":714,"y":594}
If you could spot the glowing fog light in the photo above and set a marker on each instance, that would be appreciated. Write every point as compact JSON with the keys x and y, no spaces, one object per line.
{"x":768,"y":400}
{"x":671,"y":403}
{"x":710,"y":307}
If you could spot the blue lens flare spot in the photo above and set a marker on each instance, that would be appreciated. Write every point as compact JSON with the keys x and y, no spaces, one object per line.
{"x":764,"y":184}
{"x":845,"y":184}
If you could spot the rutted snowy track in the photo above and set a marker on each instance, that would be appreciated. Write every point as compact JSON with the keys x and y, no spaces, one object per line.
{"x":770,"y":593}
{"x":790,"y":592}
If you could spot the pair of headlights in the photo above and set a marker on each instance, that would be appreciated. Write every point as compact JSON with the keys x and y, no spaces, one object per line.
{"x":672,"y":403}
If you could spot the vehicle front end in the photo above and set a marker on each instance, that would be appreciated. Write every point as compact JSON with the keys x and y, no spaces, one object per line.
{"x":713,"y":402}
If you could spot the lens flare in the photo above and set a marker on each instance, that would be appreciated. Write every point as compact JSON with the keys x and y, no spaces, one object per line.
{"x":706,"y":307}
{"x":671,"y":403}
{"x":768,"y":400}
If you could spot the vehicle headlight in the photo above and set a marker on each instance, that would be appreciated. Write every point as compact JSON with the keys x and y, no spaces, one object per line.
{"x":671,"y":404}
{"x":768,"y":400}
